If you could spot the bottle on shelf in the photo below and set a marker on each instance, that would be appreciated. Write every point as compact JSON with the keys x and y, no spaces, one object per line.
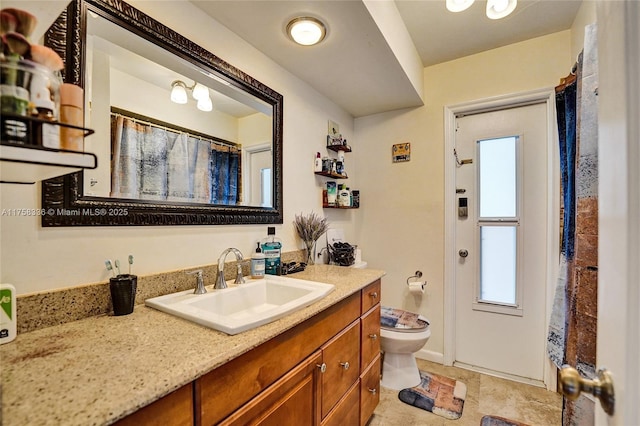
{"x":344,"y":196}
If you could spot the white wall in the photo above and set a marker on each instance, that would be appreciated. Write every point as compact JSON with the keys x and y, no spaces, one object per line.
{"x":36,"y":259}
{"x":401,"y":219}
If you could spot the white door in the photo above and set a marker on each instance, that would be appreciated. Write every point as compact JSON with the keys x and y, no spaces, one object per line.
{"x":619,"y":206}
{"x":500,"y":285}
{"x":258,"y":161}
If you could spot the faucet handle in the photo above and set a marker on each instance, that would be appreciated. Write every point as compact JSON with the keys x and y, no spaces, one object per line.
{"x":239,"y":277}
{"x":200,"y":281}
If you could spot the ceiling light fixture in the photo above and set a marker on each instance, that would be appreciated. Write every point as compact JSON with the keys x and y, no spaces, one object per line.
{"x":458,"y":5}
{"x":199,"y":92}
{"x":498,"y":9}
{"x":306,"y":31}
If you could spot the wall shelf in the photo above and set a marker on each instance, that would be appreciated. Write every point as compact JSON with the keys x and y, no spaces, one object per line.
{"x":339,"y":207}
{"x":336,"y":148}
{"x":27,"y":162}
{"x":332,"y":175}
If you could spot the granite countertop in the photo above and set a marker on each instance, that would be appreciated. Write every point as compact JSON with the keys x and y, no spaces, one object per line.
{"x":97,"y":370}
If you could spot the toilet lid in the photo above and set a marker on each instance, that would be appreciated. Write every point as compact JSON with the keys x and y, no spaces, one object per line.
{"x":401,"y":320}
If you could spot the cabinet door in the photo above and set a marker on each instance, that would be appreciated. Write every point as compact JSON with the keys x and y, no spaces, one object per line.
{"x":174,"y":409}
{"x":346,"y":412}
{"x":292,"y":400}
{"x":369,"y":390}
{"x":370,"y":296}
{"x":370,"y":335}
{"x":342,"y":358}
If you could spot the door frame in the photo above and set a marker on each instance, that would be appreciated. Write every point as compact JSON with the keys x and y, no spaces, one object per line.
{"x":619,"y":205}
{"x":546,"y":96}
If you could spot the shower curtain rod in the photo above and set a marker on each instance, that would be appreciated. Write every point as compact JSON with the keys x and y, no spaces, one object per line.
{"x":159,"y":126}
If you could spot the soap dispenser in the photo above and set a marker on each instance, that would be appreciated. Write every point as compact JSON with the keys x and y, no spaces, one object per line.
{"x":257,"y":263}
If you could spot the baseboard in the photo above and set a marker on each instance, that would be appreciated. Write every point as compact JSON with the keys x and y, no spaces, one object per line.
{"x":430,"y":356}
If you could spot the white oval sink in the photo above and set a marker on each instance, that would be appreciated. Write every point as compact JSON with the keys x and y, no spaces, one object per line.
{"x":244,"y":306}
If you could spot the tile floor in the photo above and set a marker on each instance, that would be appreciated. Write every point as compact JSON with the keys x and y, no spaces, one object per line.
{"x":485,"y":395}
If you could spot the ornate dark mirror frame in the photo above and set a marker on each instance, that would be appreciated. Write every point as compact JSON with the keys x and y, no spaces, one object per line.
{"x":65,"y":194}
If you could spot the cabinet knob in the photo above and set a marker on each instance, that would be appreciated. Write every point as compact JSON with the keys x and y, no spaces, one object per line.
{"x":374,"y":294}
{"x":345,"y":365}
{"x":373,"y":336}
{"x":373,"y":391}
{"x":322,"y":367}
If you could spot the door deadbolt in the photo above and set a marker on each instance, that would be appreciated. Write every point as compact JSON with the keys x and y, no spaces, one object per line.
{"x":463,"y":253}
{"x":602,"y":388}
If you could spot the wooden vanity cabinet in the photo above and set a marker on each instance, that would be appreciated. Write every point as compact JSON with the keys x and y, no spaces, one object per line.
{"x":369,"y":350}
{"x":324,"y":371}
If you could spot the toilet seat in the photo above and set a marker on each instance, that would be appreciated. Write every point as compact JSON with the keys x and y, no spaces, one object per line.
{"x":399,"y":320}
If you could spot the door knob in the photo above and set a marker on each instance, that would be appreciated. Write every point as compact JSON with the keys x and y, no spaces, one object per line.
{"x":602,"y":387}
{"x":463,"y":253}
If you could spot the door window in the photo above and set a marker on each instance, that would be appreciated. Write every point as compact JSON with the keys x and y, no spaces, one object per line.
{"x":498,"y":220}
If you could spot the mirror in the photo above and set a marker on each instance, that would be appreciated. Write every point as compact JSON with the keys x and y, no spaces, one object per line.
{"x":113,"y":51}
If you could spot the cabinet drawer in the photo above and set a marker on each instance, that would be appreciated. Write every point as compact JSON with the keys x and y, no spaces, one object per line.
{"x":370,"y":296}
{"x":290,"y":400}
{"x":370,"y":336}
{"x":346,"y":412}
{"x":369,"y":390}
{"x":342,"y":358}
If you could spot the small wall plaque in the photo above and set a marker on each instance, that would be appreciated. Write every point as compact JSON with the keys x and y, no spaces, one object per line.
{"x":401,"y":152}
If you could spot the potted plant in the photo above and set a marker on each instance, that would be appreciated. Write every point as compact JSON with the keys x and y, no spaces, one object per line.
{"x":310,"y":228}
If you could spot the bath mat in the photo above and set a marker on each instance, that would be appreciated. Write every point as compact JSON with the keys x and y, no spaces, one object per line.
{"x":499,"y":421}
{"x":440,"y":395}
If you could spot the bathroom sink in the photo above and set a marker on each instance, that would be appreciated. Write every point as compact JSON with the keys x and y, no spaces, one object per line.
{"x":242,"y":307}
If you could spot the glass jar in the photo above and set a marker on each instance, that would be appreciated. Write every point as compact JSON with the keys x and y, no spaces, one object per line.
{"x":26,"y":87}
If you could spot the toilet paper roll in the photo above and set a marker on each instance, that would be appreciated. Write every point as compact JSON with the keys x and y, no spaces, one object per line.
{"x":416,"y":288}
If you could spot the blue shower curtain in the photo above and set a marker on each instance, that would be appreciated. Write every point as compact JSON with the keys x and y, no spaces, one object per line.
{"x":566,"y":117}
{"x":153,"y":163}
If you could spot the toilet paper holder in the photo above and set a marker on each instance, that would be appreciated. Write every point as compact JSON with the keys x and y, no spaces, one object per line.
{"x":416,"y":277}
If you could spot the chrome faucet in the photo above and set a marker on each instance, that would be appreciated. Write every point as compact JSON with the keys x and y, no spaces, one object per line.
{"x":220,"y":282}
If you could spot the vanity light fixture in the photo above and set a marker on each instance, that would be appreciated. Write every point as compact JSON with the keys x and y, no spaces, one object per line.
{"x":199,"y":92}
{"x":179,"y":92}
{"x":306,"y":30}
{"x":496,"y":9}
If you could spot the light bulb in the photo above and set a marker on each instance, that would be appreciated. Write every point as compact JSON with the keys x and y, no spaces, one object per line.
{"x":178,"y":92}
{"x":205,"y":104}
{"x":306,"y":31}
{"x":500,"y":5}
{"x":497,"y":9}
{"x":458,"y":5}
{"x":200,"y":91}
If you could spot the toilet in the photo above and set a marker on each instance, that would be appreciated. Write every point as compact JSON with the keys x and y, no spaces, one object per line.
{"x":402,"y":334}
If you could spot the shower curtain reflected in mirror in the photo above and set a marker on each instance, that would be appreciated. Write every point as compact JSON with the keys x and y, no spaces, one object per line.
{"x":155,"y":163}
